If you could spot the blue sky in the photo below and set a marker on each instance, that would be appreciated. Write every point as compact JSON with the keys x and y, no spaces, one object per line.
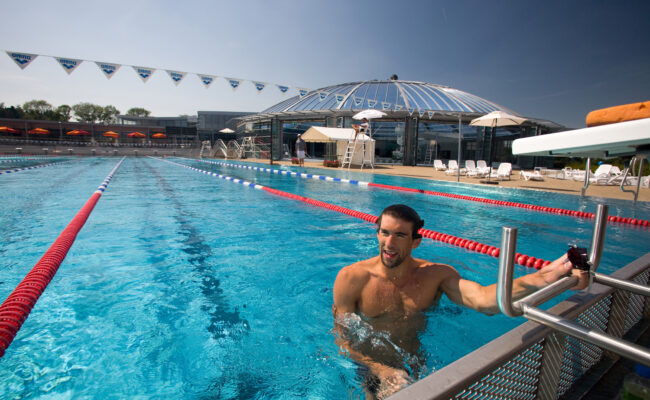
{"x":554,"y":60}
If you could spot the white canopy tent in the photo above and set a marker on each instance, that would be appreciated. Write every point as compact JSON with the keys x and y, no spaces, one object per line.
{"x":340,"y":136}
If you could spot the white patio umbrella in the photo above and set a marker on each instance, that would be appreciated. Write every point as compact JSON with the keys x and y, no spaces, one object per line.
{"x":369,"y":114}
{"x":494,"y":120}
{"x":227,"y":130}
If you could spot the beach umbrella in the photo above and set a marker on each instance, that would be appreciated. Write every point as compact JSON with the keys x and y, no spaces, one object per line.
{"x":227,"y":130}
{"x":74,"y":133}
{"x":111,"y":134}
{"x":38,"y":131}
{"x":369,"y":114}
{"x":6,"y":129}
{"x":494,"y":120}
{"x":159,"y":136}
{"x":136,"y":135}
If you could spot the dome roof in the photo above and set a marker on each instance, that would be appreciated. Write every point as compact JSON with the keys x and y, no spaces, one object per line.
{"x":389,"y":96}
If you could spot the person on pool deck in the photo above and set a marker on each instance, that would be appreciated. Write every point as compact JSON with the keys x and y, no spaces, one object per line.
{"x":300,"y":151}
{"x":360,"y":128}
{"x":392,"y":290}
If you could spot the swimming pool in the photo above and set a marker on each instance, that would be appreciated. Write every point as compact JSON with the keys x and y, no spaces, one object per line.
{"x":183,"y":285}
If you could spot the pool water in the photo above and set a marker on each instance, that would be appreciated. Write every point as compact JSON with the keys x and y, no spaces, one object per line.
{"x":183,"y":285}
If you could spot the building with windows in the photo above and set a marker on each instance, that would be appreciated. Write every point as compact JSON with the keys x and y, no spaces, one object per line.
{"x":424,"y":121}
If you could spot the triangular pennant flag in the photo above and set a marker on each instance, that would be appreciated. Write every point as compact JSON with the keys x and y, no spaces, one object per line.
{"x":259,"y":86}
{"x":421,"y":112}
{"x":398,"y":107}
{"x":176,"y":76}
{"x":144,"y":73}
{"x":322,"y":95}
{"x":69,"y":64}
{"x":430,"y":113}
{"x":302,"y":92}
{"x":372,"y":103}
{"x":22,"y":59}
{"x":282,"y":88}
{"x":234,"y":83}
{"x":108,"y":69}
{"x":340,"y":97}
{"x":385,"y":106}
{"x":358,"y":101}
{"x":206,"y":80}
{"x":410,"y":110}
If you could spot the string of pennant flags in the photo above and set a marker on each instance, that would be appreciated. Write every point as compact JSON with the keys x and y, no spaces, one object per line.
{"x":110,"y":69}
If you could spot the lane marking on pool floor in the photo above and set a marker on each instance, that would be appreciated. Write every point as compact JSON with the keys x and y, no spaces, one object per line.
{"x":550,"y":210}
{"x":16,"y":308}
{"x":11,"y":171}
{"x":521,"y":259}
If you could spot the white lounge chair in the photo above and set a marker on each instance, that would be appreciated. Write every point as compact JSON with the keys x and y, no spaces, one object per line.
{"x":453,"y":168}
{"x":472,"y":170}
{"x":531,"y":176}
{"x":602,"y":174}
{"x":482,"y":167}
{"x":504,"y":171}
{"x":439,"y":165}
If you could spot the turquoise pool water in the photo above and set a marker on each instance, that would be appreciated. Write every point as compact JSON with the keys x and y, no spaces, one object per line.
{"x":182,"y":285}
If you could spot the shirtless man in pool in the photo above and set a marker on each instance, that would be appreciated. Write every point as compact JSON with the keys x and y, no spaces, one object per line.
{"x":392,"y":290}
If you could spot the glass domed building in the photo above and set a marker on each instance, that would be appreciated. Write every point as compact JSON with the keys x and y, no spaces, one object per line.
{"x":424,"y":121}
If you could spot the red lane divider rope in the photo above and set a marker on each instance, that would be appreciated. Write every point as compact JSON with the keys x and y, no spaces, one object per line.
{"x":521,"y":259}
{"x":16,"y":308}
{"x":552,"y":210}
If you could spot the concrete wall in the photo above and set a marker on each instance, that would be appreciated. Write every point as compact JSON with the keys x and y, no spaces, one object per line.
{"x":97,"y":151}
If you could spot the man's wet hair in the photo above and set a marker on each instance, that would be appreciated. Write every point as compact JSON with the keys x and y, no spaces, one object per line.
{"x":405,"y":213}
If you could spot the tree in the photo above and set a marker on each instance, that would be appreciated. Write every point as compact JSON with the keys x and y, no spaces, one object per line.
{"x":11,"y":112}
{"x":65,"y":112}
{"x":87,"y":112}
{"x":108,"y":114}
{"x":37,"y":109}
{"x":138,"y":112}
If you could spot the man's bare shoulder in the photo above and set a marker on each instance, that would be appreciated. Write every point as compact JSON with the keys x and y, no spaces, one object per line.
{"x":433,"y":270}
{"x":359,"y":272}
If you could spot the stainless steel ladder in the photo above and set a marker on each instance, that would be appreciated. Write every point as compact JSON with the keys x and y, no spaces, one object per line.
{"x":527,"y":306}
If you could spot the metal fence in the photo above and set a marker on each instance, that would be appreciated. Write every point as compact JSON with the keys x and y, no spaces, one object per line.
{"x":535,"y":362}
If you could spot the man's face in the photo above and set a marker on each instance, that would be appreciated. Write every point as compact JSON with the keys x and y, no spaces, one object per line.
{"x":395,"y":241}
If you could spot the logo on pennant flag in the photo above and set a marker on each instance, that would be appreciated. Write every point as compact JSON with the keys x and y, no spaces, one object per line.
{"x":430,"y":113}
{"x":22,"y":59}
{"x":340,"y":97}
{"x":421,"y":112}
{"x":144,"y":73}
{"x":69,"y":64}
{"x":176,"y":76}
{"x":358,"y":101}
{"x":234,"y":83}
{"x":283,"y":89}
{"x":398,"y":107}
{"x":322,"y":95}
{"x":259,"y":86}
{"x":385,"y":106}
{"x":372,"y":103}
{"x":206,"y":80}
{"x":410,"y":110}
{"x":303,"y":92}
{"x":108,"y":69}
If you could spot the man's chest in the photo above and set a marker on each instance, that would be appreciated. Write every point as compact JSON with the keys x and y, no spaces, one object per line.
{"x":383,"y":298}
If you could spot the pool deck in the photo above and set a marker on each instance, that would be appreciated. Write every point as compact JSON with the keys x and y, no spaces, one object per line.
{"x":548,"y":184}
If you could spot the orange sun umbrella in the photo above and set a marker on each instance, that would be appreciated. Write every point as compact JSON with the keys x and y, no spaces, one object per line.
{"x":111,"y":134}
{"x":159,"y":136}
{"x":6,"y":129}
{"x":73,"y":133}
{"x":136,"y":135}
{"x":38,"y":131}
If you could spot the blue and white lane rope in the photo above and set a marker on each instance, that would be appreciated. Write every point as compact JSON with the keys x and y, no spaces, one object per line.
{"x":283,"y":172}
{"x":225,"y":177}
{"x":11,"y":171}
{"x":102,"y":187}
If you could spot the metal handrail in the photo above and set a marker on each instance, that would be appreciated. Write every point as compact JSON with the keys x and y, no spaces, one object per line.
{"x":526,"y":306}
